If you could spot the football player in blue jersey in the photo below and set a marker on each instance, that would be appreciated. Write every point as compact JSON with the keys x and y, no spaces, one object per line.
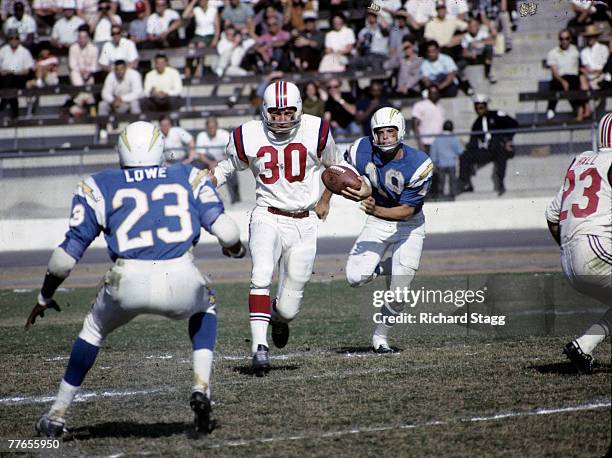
{"x":151,"y":217}
{"x":400,"y":177}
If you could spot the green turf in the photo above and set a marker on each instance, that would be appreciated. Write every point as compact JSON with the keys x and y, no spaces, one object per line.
{"x":327,"y":396}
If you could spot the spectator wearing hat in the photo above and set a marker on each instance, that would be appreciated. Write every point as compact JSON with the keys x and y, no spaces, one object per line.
{"x":372,"y":43}
{"x":240,"y":15}
{"x":163,"y":25}
{"x":439,"y":69}
{"x":308,"y":45}
{"x":444,"y":151}
{"x":409,"y":75}
{"x":23,"y":23}
{"x":16,"y":65}
{"x":162,"y":86}
{"x":587,"y":12}
{"x":339,"y":44}
{"x":446,"y":30}
{"x":397,"y":33}
{"x":65,"y":30}
{"x":593,"y":58}
{"x":137,"y":31}
{"x":7,"y":8}
{"x":119,"y":48}
{"x":563,"y":62}
{"x":103,"y":24}
{"x":485,"y":147}
{"x":83,"y":59}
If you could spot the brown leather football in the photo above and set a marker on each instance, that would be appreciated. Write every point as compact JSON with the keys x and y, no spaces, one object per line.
{"x":337,"y":177}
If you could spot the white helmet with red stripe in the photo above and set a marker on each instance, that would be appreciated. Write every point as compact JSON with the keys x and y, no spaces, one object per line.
{"x":278,"y":96}
{"x":604,"y":135}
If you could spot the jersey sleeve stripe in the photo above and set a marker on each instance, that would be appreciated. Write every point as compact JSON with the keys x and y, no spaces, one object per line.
{"x":323,"y":134}
{"x":240,"y":145}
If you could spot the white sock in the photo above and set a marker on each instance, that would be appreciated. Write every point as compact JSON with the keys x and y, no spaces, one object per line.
{"x":65,"y":395}
{"x":259,"y":334}
{"x":593,"y":337}
{"x":202,"y":368}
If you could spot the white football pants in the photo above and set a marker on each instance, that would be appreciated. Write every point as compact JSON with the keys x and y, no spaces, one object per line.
{"x":290,"y":244}
{"x":403,"y":238}
{"x":173,"y":288}
{"x":587,"y":264}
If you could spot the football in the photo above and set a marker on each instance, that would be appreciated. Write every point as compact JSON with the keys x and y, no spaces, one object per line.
{"x":337,"y":177}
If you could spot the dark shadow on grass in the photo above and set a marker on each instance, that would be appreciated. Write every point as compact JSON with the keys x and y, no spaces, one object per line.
{"x":130,"y":429}
{"x":248,"y":370}
{"x":567,"y":368}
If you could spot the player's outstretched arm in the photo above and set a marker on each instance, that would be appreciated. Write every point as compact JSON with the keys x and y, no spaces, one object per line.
{"x":60,"y":266}
{"x":228,"y":235}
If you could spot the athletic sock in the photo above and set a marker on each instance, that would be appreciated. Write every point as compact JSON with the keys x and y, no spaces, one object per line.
{"x":203,"y":334}
{"x":593,"y":337}
{"x":82,"y":358}
{"x":259,"y":312}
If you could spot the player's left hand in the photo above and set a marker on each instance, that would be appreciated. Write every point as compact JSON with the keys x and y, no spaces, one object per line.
{"x":368,"y":205}
{"x":39,"y":311}
{"x":358,"y":195}
{"x":322,"y":209}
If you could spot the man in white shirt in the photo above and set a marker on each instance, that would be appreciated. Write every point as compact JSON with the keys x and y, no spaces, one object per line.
{"x":477,"y":47}
{"x":104,"y":22}
{"x":210,"y":149}
{"x":372,"y":43}
{"x":83,"y":59}
{"x":162,"y":25}
{"x":16,"y":66}
{"x":163,"y":87}
{"x":122,"y":91}
{"x":119,"y":48}
{"x":178,"y":143}
{"x":593,"y":58}
{"x":23,"y":23}
{"x":563,"y":62}
{"x":65,"y":30}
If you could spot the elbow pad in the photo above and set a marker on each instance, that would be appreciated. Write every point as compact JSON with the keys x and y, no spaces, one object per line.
{"x":226,"y":231}
{"x":61,"y":263}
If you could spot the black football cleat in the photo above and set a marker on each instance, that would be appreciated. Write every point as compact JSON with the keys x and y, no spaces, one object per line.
{"x":50,"y":427}
{"x":582,"y":361}
{"x":200,"y":404}
{"x":280,"y":333}
{"x":384,"y":349}
{"x":261,"y":361}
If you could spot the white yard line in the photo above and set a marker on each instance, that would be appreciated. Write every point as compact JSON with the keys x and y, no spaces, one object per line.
{"x":593,"y":405}
{"x":81,"y":397}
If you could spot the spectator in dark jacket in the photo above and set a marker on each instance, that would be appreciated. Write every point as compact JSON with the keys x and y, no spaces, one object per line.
{"x":486,"y":147}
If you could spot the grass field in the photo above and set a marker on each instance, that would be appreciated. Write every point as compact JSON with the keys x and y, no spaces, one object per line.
{"x":326,"y":395}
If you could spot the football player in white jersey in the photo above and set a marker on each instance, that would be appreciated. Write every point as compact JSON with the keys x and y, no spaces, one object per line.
{"x":286,"y":151}
{"x":580,"y":220}
{"x":151,"y":217}
{"x":400,"y":178}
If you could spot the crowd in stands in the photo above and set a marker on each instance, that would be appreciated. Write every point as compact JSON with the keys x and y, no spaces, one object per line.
{"x":421,"y":47}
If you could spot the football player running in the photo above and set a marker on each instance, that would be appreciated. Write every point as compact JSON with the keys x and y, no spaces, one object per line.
{"x":580,"y":220}
{"x":286,"y":152}
{"x":151,"y":217}
{"x":400,"y":178}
